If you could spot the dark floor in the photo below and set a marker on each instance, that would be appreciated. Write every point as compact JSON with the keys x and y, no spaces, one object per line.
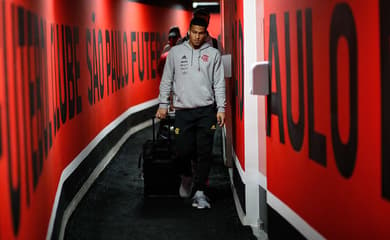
{"x":115,"y":208}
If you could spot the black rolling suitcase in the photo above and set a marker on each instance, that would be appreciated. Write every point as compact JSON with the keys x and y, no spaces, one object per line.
{"x":158,"y":162}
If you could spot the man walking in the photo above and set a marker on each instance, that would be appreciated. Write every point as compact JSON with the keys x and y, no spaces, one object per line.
{"x":194,"y":72}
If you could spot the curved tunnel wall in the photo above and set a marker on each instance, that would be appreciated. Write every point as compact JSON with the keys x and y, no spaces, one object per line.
{"x":74,"y":77}
{"x":323,"y":165}
{"x":327,"y":135}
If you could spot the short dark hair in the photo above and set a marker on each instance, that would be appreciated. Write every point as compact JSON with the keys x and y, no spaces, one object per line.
{"x":199,"y":22}
{"x":201,"y":12}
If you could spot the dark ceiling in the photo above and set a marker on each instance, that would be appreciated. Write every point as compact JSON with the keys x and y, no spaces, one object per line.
{"x":183,"y":4}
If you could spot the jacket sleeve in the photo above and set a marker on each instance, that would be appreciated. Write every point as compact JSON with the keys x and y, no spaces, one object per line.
{"x":166,"y":81}
{"x":219,"y":84}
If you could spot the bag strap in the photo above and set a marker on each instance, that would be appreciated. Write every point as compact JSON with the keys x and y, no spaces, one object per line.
{"x":215,"y":43}
{"x":154,"y":130}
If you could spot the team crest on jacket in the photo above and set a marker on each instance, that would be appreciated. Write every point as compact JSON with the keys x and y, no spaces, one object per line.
{"x":205,"y":58}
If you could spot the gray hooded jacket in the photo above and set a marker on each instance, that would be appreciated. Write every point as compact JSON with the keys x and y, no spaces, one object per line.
{"x":195,"y":76}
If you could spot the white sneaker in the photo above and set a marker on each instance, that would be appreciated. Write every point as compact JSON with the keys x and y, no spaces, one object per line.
{"x":200,"y":200}
{"x":186,"y":185}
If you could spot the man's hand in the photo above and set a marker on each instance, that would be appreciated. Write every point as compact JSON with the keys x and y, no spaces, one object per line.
{"x":221,"y":118}
{"x":161,"y":113}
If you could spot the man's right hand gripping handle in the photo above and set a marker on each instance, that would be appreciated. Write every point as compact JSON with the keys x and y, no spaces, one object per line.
{"x":161,"y":113}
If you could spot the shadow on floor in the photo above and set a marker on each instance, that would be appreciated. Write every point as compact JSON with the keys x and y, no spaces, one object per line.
{"x":115,"y":208}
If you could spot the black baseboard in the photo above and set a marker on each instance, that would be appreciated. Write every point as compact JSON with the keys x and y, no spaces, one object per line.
{"x":279,"y":228}
{"x":76,"y":180}
{"x":240,"y":188}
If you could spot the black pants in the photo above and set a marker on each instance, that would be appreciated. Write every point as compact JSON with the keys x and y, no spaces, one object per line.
{"x":194,"y":129}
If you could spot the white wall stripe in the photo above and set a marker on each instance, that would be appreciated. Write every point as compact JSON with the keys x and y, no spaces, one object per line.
{"x":96,"y":172}
{"x":262,"y":136}
{"x":86,"y":151}
{"x":250,"y":101}
{"x":250,"y":116}
{"x":294,"y":219}
{"x":255,"y":177}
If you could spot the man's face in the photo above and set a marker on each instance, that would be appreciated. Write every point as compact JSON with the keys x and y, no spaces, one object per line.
{"x":197,"y":36}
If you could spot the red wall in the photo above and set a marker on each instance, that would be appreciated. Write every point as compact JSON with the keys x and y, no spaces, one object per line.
{"x":215,"y":25}
{"x":331,"y":168}
{"x":58,"y":90}
{"x":234,"y":44}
